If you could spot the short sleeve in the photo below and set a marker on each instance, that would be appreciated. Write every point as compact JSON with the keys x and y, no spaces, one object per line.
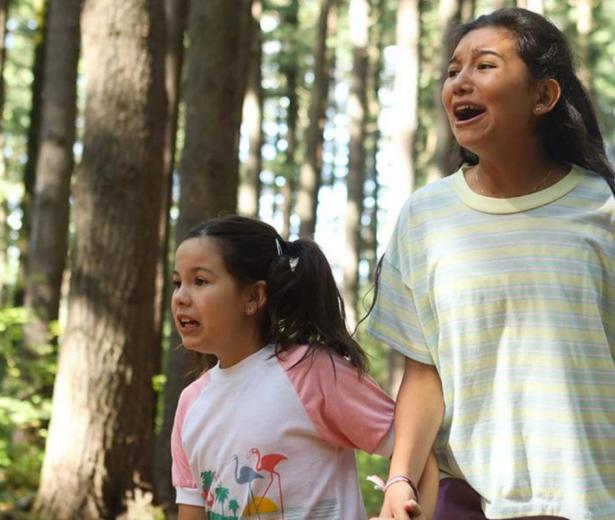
{"x":395,"y":319}
{"x":347,"y":410}
{"x":187,"y":489}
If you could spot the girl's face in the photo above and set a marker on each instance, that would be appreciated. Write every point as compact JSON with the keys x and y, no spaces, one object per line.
{"x":209,"y":307}
{"x":488,"y":94}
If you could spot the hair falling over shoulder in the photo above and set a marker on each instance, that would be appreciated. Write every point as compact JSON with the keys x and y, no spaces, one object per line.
{"x":303,"y":304}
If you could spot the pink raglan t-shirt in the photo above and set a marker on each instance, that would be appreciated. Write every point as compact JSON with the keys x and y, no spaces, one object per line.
{"x":269,"y":440}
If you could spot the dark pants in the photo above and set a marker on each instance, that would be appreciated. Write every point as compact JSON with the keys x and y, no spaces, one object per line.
{"x":458,"y":501}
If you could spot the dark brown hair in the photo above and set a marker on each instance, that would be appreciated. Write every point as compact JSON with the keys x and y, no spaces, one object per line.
{"x":303,"y":304}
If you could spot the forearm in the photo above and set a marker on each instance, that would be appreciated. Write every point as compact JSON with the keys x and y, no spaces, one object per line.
{"x":418,"y":415}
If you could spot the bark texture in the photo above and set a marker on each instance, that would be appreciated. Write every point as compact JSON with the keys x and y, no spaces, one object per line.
{"x":100,"y":443}
{"x":49,"y":232}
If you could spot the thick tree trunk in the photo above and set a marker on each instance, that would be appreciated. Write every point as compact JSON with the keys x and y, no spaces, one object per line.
{"x":291,"y":73}
{"x":49,"y":232}
{"x":250,"y":188}
{"x":100,"y":442}
{"x":214,"y":89}
{"x":176,"y":13}
{"x":406,"y":91}
{"x":355,"y":181}
{"x":310,"y":172}
{"x":34,"y":131}
{"x":584,"y":28}
{"x":4,"y":14}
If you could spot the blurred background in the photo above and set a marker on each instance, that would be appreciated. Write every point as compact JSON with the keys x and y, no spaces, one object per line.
{"x":126,"y":122}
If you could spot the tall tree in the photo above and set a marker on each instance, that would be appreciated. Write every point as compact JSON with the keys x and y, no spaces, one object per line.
{"x":4,"y":14}
{"x":290,"y":71}
{"x":355,"y":181}
{"x":176,"y":13}
{"x":310,"y":172}
{"x":450,"y":14}
{"x":584,"y":27}
{"x":100,"y":442}
{"x":405,"y":106}
{"x":49,"y":224}
{"x":253,"y":118}
{"x":216,"y":71}
{"x":406,"y":90}
{"x":33,"y":141}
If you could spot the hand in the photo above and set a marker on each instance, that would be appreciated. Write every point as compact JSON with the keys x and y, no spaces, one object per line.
{"x":400,"y":504}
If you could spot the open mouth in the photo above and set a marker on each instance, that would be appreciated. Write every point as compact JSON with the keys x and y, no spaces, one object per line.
{"x":187,"y":323}
{"x":465,"y":113}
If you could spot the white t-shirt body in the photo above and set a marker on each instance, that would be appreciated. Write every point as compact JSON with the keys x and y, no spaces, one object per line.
{"x":277,"y":437}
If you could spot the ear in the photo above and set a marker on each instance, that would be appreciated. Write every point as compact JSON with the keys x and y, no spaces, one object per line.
{"x":548,"y":94}
{"x":255,"y":297}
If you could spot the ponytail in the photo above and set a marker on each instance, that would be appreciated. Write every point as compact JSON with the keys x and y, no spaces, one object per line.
{"x":304,"y":305}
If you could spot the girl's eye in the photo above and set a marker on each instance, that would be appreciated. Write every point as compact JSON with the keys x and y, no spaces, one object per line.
{"x":452,"y":73}
{"x":200,"y":281}
{"x":176,"y":284}
{"x":485,"y":66}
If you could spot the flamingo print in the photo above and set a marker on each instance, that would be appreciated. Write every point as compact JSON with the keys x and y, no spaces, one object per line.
{"x":268,"y":463}
{"x":246,"y":475}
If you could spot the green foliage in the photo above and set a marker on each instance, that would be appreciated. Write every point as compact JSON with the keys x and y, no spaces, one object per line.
{"x":26,"y":380}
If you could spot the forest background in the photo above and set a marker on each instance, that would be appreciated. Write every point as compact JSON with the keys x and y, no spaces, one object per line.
{"x":126,"y":122}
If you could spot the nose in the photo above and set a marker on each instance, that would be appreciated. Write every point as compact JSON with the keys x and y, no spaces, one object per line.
{"x":462,"y":82}
{"x":181,"y":296}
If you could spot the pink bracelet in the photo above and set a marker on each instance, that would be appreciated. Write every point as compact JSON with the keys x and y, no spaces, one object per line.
{"x":383,"y":486}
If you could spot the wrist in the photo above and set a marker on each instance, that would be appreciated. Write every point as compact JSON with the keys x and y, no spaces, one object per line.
{"x":402,"y":479}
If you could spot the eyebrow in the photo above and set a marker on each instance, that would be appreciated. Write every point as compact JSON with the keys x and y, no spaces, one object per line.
{"x":477,"y":53}
{"x":196,"y":269}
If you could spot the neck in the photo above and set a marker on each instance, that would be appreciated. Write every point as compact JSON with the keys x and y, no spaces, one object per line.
{"x":513,"y":175}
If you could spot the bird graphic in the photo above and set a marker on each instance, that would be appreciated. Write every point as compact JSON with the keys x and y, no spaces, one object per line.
{"x":268,"y":463}
{"x":246,"y":475}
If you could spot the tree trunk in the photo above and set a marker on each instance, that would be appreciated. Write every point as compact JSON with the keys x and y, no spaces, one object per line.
{"x":176,"y":13}
{"x":355,"y":181}
{"x":100,"y":443}
{"x":290,"y":71}
{"x":49,"y":231}
{"x":406,"y":91}
{"x":584,"y":28}
{"x":4,"y":15}
{"x":376,"y":51}
{"x":253,"y":119}
{"x":214,"y":90}
{"x":450,"y":14}
{"x":310,"y":172}
{"x":33,"y":140}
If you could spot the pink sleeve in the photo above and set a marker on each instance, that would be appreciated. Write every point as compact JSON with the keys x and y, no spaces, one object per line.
{"x":180,"y":469}
{"x":347,"y":411}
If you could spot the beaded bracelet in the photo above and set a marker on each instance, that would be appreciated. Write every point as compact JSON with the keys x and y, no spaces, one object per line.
{"x":383,"y":486}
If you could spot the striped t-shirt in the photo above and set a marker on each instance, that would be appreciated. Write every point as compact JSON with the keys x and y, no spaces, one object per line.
{"x":513,"y":301}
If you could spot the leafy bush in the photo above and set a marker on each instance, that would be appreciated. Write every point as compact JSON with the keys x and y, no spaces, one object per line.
{"x":26,"y":382}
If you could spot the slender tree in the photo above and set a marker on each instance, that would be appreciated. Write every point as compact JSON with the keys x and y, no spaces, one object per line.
{"x":406,"y":89}
{"x":33,"y":140}
{"x":100,"y":443}
{"x":216,"y":71}
{"x":253,"y":118}
{"x":290,"y":71}
{"x":176,"y":13}
{"x":355,"y":181}
{"x":310,"y":173}
{"x":49,"y":230}
{"x":4,"y":14}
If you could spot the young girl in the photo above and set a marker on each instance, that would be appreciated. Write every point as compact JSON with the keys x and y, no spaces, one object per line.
{"x":270,"y":431}
{"x":498,"y":285}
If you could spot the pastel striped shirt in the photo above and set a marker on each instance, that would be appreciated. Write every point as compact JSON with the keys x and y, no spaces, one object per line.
{"x":513,"y":301}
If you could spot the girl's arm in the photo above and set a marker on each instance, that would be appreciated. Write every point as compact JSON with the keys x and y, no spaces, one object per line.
{"x":186,"y":512}
{"x":418,"y":415}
